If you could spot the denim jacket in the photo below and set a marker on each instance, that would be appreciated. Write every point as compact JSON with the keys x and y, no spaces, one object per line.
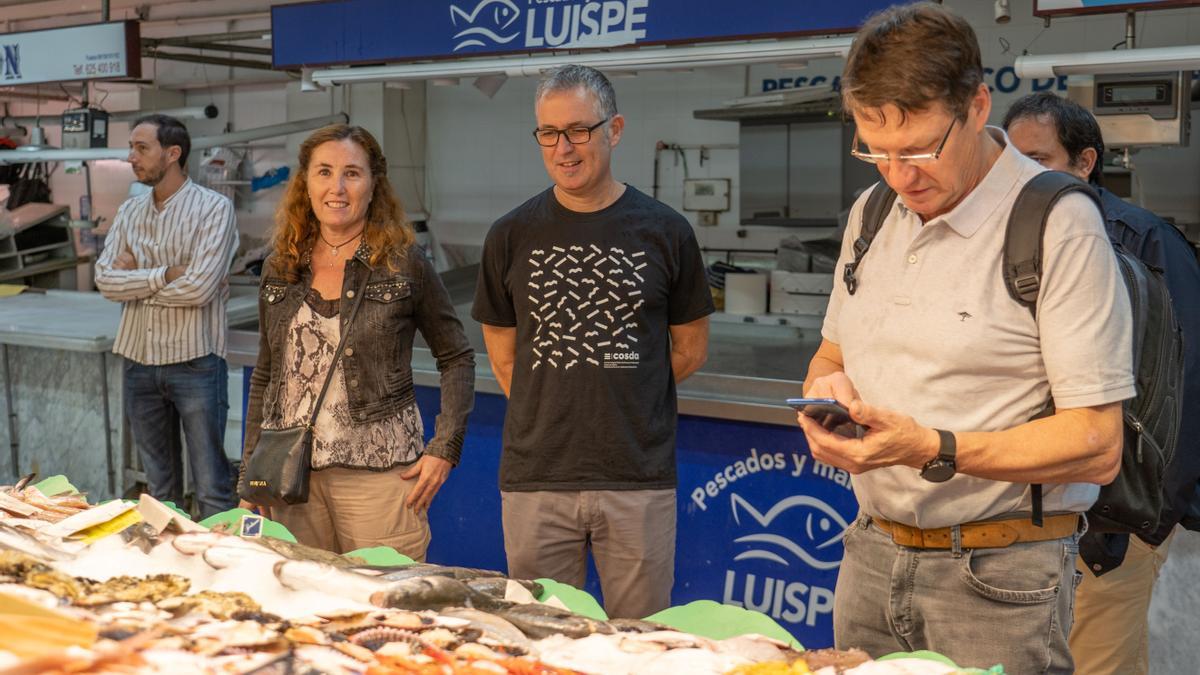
{"x":377,"y":356}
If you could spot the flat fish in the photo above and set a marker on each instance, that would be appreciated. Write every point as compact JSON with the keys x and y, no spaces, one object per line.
{"x":305,"y":575}
{"x":415,"y":570}
{"x":195,"y":543}
{"x":539,"y":621}
{"x":297,"y":551}
{"x":637,"y":626}
{"x":497,"y":587}
{"x":13,"y":539}
{"x":494,"y":628}
{"x":430,"y":592}
{"x":220,"y":557}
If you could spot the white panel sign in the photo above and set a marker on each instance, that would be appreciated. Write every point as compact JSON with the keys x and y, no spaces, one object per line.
{"x":93,"y":52}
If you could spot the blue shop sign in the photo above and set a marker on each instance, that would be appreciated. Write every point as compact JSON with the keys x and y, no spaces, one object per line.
{"x":339,"y":32}
{"x":760,"y":523}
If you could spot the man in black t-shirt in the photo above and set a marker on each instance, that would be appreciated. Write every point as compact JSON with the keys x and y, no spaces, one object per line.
{"x":594,"y":303}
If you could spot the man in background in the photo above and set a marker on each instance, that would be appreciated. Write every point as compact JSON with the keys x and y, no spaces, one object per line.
{"x":1111,"y":633}
{"x":166,"y":259}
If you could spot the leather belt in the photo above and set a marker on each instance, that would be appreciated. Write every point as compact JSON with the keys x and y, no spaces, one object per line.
{"x":990,"y":534}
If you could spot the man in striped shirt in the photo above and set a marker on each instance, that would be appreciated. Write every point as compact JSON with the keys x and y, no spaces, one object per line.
{"x":166,"y":259}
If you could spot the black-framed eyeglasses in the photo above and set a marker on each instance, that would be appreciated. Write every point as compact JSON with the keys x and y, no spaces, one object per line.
{"x":919,"y":159}
{"x":548,"y":137}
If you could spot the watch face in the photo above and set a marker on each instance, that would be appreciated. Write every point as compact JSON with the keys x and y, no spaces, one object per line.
{"x":938,"y":471}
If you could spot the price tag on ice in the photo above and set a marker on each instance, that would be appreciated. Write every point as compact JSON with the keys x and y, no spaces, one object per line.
{"x":251,"y":526}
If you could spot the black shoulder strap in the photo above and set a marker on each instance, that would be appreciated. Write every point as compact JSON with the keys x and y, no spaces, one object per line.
{"x":1026,"y":228}
{"x":877,"y":208}
{"x":1023,"y":256}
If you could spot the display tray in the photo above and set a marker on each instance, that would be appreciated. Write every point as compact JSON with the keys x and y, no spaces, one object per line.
{"x":138,"y":587}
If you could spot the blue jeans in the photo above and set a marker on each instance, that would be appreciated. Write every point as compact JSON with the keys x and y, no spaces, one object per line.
{"x":984,"y":606}
{"x":193,"y":394}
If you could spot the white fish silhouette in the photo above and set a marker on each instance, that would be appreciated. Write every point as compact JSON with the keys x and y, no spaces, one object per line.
{"x":828,"y":522}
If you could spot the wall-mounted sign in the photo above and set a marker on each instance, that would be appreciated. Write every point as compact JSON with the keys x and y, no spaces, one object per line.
{"x":342,"y":32}
{"x":99,"y":51}
{"x":1069,"y":7}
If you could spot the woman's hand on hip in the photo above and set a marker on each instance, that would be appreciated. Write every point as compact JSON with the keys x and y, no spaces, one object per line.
{"x":255,"y":508}
{"x":430,"y":473}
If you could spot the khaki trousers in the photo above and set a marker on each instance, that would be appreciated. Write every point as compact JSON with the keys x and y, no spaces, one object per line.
{"x":1112,"y":626}
{"x":631,"y":534}
{"x":349,"y":509}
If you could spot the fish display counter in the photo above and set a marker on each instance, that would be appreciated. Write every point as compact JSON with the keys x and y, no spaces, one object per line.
{"x":136,"y":587}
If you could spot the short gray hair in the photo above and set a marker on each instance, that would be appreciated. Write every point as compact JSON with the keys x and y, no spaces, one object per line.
{"x":571,"y":77}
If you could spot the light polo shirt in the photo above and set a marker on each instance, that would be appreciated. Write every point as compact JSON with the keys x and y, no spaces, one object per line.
{"x":933,"y":333}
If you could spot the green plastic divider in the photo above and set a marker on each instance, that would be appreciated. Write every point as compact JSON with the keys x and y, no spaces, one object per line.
{"x":927,"y":655}
{"x":234,"y":516}
{"x":382,"y":556}
{"x":55,"y":485}
{"x":919,"y":654}
{"x":580,"y":602}
{"x":717,"y":621}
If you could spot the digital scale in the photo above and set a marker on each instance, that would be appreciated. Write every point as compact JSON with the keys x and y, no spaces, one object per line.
{"x":1139,"y":110}
{"x":85,"y":128}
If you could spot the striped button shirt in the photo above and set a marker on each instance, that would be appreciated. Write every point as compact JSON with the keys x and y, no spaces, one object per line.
{"x":165,"y":323}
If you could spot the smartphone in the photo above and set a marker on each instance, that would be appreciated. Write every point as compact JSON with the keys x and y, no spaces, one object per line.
{"x":829,"y":414}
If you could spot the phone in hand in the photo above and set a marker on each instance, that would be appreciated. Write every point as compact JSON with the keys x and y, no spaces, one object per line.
{"x":829,"y":414}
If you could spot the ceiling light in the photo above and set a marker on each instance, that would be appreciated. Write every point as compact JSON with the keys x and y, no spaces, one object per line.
{"x":1115,"y":62}
{"x":37,"y":141}
{"x":490,"y":84}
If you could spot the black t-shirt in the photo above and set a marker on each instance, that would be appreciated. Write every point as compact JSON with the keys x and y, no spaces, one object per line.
{"x":592,"y":296}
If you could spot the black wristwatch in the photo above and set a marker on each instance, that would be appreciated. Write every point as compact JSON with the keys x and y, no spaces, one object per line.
{"x":942,"y":468}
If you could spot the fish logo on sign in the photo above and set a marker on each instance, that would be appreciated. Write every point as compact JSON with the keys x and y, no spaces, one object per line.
{"x":821,"y":524}
{"x":490,"y":20}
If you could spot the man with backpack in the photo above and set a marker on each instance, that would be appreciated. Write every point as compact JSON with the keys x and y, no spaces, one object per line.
{"x":1111,"y":632}
{"x":930,"y":352}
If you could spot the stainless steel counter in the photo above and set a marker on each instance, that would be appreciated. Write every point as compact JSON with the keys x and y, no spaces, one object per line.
{"x":78,"y":321}
{"x":60,"y":388}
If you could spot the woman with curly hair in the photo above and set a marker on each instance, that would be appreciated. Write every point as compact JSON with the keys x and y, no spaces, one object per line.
{"x":340,"y":232}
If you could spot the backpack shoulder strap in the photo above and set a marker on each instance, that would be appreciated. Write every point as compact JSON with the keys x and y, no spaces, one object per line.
{"x":1027,"y":227}
{"x":877,"y":208}
{"x":1023,"y":256}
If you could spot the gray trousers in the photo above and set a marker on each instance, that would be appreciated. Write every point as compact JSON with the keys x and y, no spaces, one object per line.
{"x":984,"y":606}
{"x":631,"y":534}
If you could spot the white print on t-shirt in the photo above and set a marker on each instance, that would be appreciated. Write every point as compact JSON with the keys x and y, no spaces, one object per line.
{"x":585,"y":301}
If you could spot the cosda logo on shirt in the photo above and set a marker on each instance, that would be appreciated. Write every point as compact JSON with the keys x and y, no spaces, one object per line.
{"x":621,"y":359}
